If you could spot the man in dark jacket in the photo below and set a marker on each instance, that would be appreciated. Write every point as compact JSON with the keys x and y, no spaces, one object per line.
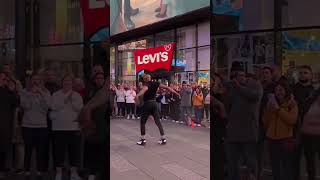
{"x":243,"y":103}
{"x":302,"y":90}
{"x":8,"y":104}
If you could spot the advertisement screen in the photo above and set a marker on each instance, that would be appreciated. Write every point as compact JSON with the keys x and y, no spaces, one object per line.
{"x":130,"y":14}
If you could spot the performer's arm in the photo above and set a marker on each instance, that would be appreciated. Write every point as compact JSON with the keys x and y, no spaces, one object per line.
{"x":143,"y":90}
{"x":169,"y":89}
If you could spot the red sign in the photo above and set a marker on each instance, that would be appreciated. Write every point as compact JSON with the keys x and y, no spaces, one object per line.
{"x":96,"y":15}
{"x":154,"y":58}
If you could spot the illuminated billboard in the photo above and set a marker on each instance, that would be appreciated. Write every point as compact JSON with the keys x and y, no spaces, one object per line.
{"x":130,"y":14}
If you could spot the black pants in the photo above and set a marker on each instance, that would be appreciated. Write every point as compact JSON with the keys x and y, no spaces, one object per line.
{"x":130,"y":108}
{"x":139,"y":111}
{"x":174,"y":111}
{"x":150,"y":108}
{"x":121,"y":108}
{"x":207,"y":110}
{"x":96,"y":158}
{"x":311,"y":147}
{"x":67,"y":141}
{"x":35,"y":138}
{"x":164,"y":110}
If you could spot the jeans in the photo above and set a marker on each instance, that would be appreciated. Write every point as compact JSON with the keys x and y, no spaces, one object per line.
{"x":164,"y":110}
{"x":311,"y":147}
{"x":150,"y":108}
{"x":281,"y":159}
{"x":67,"y":141}
{"x":207,"y":110}
{"x":198,"y":114}
{"x":121,"y":108}
{"x":234,"y":151}
{"x":35,"y":138}
{"x":130,"y":108}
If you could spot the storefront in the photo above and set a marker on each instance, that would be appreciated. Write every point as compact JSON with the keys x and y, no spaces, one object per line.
{"x":189,"y":28}
{"x":285,"y":33}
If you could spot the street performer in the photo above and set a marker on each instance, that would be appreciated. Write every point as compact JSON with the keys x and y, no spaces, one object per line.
{"x":148,"y":92}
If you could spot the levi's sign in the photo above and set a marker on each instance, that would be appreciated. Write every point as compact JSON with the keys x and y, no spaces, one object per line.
{"x":154,"y":58}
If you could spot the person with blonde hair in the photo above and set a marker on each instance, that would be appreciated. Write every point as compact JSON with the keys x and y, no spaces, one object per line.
{"x":66,"y":106}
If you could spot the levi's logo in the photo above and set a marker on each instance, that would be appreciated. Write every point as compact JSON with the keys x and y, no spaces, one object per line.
{"x":151,"y":58}
{"x":154,"y":58}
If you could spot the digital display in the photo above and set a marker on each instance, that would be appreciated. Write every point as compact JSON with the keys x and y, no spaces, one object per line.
{"x":130,"y":14}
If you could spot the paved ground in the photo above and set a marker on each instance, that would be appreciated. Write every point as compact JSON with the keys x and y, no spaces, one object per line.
{"x":186,"y":155}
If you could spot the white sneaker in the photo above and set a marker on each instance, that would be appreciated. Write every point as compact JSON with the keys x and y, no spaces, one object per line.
{"x":58,"y":176}
{"x":199,"y":125}
{"x":177,"y":121}
{"x":181,"y":122}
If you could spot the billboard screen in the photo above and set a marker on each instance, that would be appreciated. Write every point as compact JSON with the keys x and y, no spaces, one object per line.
{"x":130,"y":14}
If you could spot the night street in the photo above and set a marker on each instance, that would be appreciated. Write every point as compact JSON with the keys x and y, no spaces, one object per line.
{"x":186,"y":155}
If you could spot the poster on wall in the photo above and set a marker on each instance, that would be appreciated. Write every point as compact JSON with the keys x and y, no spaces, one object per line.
{"x":154,"y":58}
{"x":96,"y":19}
{"x":130,"y":14}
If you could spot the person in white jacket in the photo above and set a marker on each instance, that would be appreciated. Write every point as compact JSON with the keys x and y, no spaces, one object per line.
{"x":130,"y":103}
{"x":35,"y":102}
{"x":66,"y":106}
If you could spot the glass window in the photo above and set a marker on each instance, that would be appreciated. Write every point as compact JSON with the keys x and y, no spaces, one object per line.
{"x":63,"y":59}
{"x":60,"y":21}
{"x":204,"y":58}
{"x":301,"y":48}
{"x":242,"y":15}
{"x":253,"y":50}
{"x":7,"y":51}
{"x":186,"y":37}
{"x":204,"y":34}
{"x":187,"y":58}
{"x":296,"y":13}
{"x":128,"y":67}
{"x":165,"y":38}
{"x":7,"y":19}
{"x":112,"y":63}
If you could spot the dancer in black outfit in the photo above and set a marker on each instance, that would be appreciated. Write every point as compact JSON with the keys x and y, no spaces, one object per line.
{"x":148,"y":92}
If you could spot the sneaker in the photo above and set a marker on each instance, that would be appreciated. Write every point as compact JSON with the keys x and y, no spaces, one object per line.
{"x":162,"y":141}
{"x":128,"y":117}
{"x":181,"y":122}
{"x":142,"y":142}
{"x":177,"y":121}
{"x":199,"y":125}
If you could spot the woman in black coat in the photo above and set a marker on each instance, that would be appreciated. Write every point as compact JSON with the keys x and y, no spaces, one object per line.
{"x":8,"y":104}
